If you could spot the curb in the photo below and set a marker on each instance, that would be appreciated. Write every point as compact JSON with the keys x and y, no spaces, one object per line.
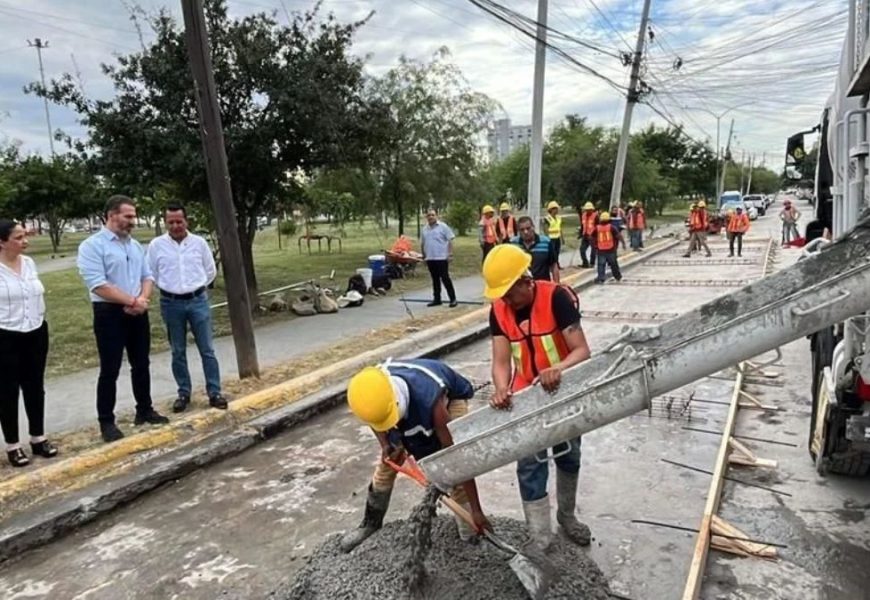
{"x":250,"y":420}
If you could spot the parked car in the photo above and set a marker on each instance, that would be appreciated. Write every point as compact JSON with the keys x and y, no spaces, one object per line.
{"x":730,"y":206}
{"x":757,"y":201}
{"x":750,"y":209}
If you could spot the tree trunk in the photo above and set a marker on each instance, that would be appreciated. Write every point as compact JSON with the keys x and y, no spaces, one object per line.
{"x":247,"y":229}
{"x":55,"y":231}
{"x":400,"y":210}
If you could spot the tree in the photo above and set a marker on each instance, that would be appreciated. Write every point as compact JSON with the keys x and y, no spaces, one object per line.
{"x":290,"y":100}
{"x":428,"y":119}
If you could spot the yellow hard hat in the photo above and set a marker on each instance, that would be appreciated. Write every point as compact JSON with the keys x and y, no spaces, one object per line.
{"x":632,"y":204}
{"x":552,"y":204}
{"x":487,"y":209}
{"x":504,"y":206}
{"x":371,"y":398}
{"x":702,"y":204}
{"x":588,"y":206}
{"x":503,"y":266}
{"x":605,"y":216}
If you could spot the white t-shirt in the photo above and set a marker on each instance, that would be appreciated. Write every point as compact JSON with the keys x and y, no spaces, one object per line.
{"x":22,"y":298}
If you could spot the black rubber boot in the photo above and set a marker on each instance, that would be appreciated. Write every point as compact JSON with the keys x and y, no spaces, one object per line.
{"x":377,"y":504}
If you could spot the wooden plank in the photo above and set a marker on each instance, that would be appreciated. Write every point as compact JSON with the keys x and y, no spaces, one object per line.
{"x":702,"y":543}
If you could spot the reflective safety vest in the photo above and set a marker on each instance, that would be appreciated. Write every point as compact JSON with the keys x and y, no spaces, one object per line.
{"x":488,"y":228}
{"x":536,"y":344}
{"x":698,"y":220}
{"x":506,"y":232}
{"x":604,"y":239}
{"x":738,"y":223}
{"x":637,"y":219}
{"x":554,"y":226}
{"x":587,"y":219}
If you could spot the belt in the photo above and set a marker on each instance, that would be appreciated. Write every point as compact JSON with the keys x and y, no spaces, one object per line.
{"x":188,"y":296}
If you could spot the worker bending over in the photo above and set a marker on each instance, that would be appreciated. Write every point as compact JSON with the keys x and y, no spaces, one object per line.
{"x":698,"y":229}
{"x":738,"y":224}
{"x":545,"y":261}
{"x":536,"y":335}
{"x":607,"y":238}
{"x":408,"y":404}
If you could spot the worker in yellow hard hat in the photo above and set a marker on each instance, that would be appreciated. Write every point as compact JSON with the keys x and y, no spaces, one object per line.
{"x":698,"y":224}
{"x":552,"y":223}
{"x":506,"y":226}
{"x":408,"y":404}
{"x":486,"y":230}
{"x":536,"y":335}
{"x":607,"y":239}
{"x":588,"y":221}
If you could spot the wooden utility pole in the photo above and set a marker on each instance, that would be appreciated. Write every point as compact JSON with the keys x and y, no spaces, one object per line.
{"x":212,"y":134}
{"x":40,"y":45}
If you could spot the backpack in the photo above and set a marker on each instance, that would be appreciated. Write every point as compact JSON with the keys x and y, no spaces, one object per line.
{"x":381,"y":282}
{"x":356,"y":283}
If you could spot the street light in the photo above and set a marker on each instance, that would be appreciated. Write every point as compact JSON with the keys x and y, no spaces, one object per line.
{"x":718,"y":118}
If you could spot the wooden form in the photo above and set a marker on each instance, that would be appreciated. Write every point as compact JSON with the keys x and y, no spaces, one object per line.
{"x":754,"y":403}
{"x":723,"y":540}
{"x":742,"y":455}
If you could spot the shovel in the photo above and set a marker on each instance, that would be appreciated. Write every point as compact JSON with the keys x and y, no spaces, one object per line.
{"x":535,"y":579}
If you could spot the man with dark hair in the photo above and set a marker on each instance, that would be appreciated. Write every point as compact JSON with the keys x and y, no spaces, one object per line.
{"x":545,"y":260}
{"x":436,"y":241}
{"x":113,"y":267}
{"x":183,"y":267}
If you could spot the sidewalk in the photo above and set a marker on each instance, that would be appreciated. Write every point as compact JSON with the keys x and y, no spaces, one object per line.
{"x":71,"y":399}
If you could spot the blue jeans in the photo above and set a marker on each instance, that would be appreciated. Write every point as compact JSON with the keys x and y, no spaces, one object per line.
{"x":532,"y":475}
{"x":608,"y":259}
{"x":636,"y":238}
{"x":177,"y":314}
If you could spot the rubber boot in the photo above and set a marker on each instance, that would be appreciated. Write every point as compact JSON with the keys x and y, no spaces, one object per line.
{"x":377,"y":504}
{"x":537,"y":514}
{"x":566,"y":494}
{"x":466,"y":533}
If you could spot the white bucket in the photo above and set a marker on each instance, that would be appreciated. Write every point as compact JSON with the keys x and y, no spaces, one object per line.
{"x":367,"y":277}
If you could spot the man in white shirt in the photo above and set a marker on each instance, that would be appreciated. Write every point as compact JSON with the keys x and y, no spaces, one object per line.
{"x":183,"y":266}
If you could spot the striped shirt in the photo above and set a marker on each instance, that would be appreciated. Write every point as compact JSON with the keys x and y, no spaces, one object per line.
{"x":543,"y":255}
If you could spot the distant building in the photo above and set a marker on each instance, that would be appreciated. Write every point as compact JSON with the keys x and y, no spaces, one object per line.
{"x":504,"y":138}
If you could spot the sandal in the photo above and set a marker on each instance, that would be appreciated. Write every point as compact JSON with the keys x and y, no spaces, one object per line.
{"x":17,"y":458}
{"x":44,"y":448}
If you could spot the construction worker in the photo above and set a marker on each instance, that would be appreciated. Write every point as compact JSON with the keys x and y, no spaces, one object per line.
{"x":553,"y":226}
{"x":506,"y":226}
{"x":486,"y":230}
{"x":607,"y":238}
{"x":408,"y":404}
{"x":738,"y":224}
{"x":698,"y":229}
{"x":545,"y":261}
{"x":617,"y":217}
{"x":636,"y":225}
{"x":536,"y":335}
{"x":789,"y":216}
{"x":588,"y":221}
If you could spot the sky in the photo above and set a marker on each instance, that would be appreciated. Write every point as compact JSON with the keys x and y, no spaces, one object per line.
{"x":768,"y":64}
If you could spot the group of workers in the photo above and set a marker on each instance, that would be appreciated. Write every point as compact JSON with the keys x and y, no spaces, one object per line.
{"x":736,"y":226}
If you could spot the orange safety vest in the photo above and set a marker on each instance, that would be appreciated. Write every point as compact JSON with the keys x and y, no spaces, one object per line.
{"x":536,"y":344}
{"x":604,"y":239}
{"x":637,"y":219}
{"x":488,"y":230}
{"x":738,"y":223}
{"x":588,"y":220}
{"x":698,"y":220}
{"x":506,"y":233}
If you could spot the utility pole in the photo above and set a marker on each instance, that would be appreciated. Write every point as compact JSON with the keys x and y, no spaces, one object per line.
{"x":742,"y":168}
{"x":39,"y":44}
{"x":212,"y":134}
{"x":630,"y":100}
{"x":725,"y":161}
{"x":536,"y":152}
{"x":749,"y":182}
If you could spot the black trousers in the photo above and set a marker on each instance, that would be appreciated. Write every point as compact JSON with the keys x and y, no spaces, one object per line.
{"x":485,"y":248}
{"x":584,"y":244}
{"x":439,"y":270}
{"x":117,"y":331}
{"x":556,"y":244}
{"x":739,"y":238}
{"x":22,"y":367}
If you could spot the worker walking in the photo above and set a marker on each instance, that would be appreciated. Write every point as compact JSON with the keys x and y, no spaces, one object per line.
{"x":536,"y":335}
{"x":553,"y":226}
{"x":506,"y":226}
{"x":698,"y":223}
{"x":545,"y":261}
{"x":408,"y":404}
{"x":486,"y":230}
{"x":607,"y":238}
{"x":636,"y":225}
{"x":738,"y":224}
{"x":588,"y":222}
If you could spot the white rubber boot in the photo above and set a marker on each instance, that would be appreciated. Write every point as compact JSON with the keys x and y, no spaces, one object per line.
{"x":537,"y":514}
{"x":566,"y":495}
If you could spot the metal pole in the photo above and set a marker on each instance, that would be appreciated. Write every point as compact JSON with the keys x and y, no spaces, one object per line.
{"x":39,"y":45}
{"x":536,"y":152}
{"x":725,"y":161}
{"x":630,"y":100}
{"x":718,"y":158}
{"x":212,"y":134}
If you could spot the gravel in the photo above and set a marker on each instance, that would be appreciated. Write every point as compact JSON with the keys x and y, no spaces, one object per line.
{"x":455,"y":569}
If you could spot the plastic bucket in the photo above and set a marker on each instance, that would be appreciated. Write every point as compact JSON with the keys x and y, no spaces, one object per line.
{"x":376,"y":264}
{"x":367,"y":276}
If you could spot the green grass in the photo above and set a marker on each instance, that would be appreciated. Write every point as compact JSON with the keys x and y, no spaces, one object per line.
{"x":40,"y":245}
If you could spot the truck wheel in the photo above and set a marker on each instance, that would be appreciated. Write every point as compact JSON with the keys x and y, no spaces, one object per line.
{"x":857,"y":465}
{"x":822,"y":352}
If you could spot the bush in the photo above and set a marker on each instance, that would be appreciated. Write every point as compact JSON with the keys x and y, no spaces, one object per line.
{"x":288,"y":227}
{"x":461,"y":217}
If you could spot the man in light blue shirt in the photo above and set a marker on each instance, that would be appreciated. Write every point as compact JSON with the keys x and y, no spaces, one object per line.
{"x":437,"y":245}
{"x":116,"y":273}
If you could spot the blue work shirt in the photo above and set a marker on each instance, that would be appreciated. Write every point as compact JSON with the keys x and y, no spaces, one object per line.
{"x":104,"y":258}
{"x":435,"y":241}
{"x":543,"y":256}
{"x":428,"y":380}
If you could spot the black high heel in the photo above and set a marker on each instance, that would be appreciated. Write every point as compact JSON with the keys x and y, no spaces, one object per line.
{"x":44,"y":448}
{"x":17,"y":458}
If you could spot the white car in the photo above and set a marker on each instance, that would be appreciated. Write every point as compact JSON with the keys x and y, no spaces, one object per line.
{"x":750,"y":210}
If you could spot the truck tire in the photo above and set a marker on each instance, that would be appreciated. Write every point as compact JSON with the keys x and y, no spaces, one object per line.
{"x":822,"y":351}
{"x":856,"y":465}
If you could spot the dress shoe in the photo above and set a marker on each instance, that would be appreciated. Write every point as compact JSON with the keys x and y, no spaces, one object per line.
{"x":152,"y":416}
{"x":453,"y":304}
{"x":17,"y":458}
{"x":218,"y":401}
{"x":435,"y":303}
{"x":44,"y":449}
{"x":181,"y":403}
{"x":110,"y":432}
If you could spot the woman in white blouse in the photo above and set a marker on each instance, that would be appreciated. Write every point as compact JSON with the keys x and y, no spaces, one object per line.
{"x":23,"y":345}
